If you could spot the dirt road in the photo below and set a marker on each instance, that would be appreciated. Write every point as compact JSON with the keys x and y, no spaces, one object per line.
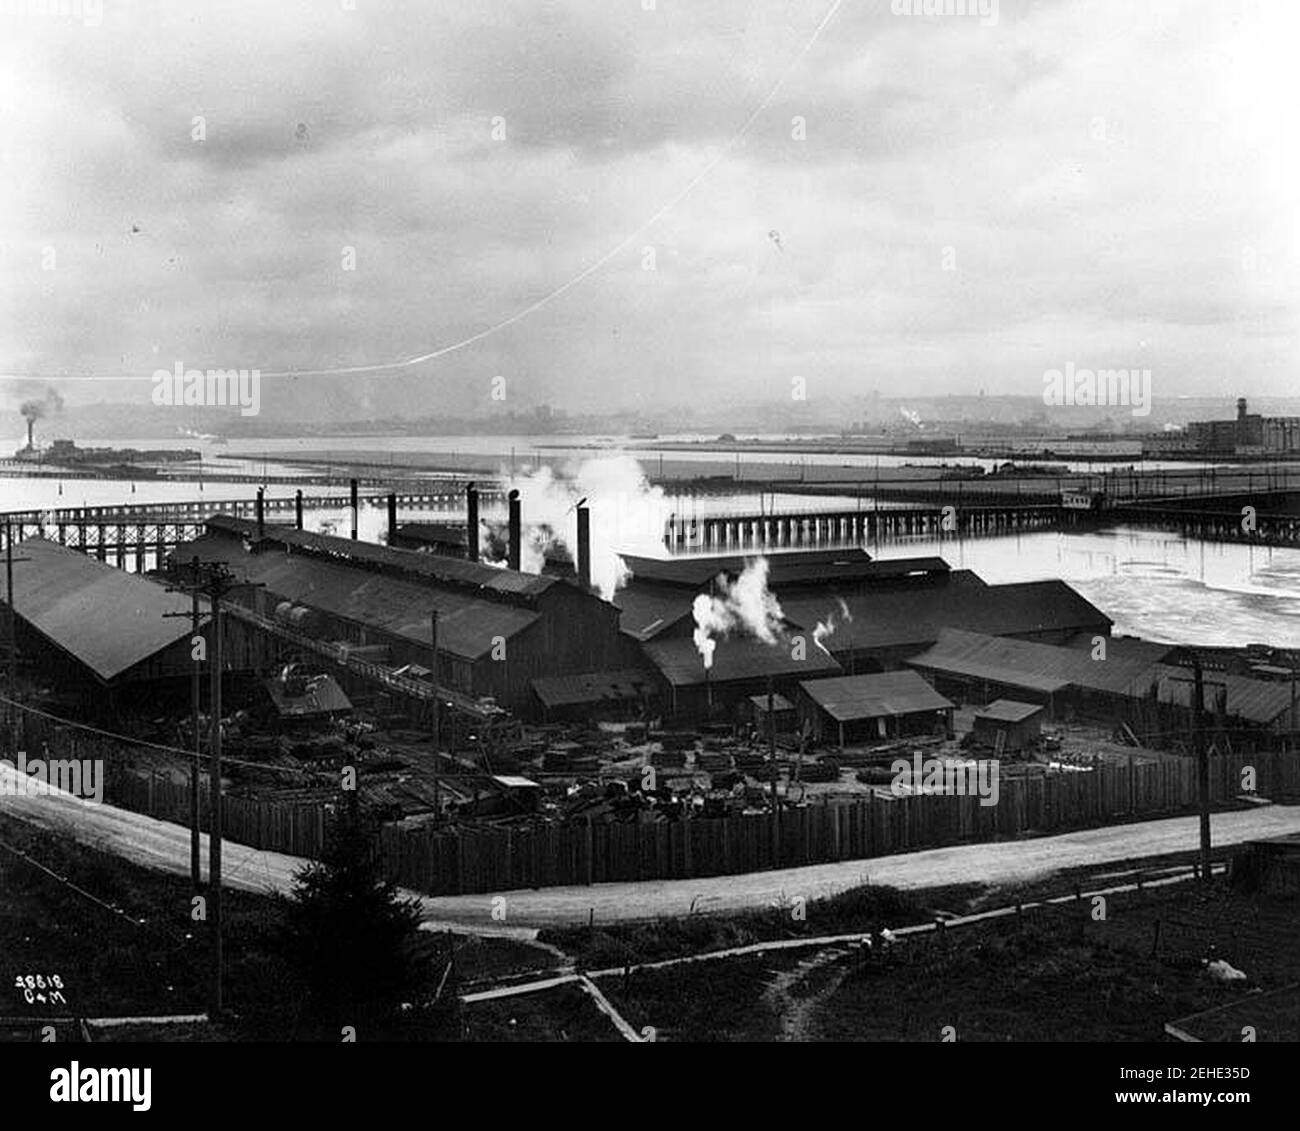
{"x":159,"y":844}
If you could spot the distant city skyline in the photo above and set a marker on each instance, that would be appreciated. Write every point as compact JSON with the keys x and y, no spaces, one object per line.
{"x":615,"y":208}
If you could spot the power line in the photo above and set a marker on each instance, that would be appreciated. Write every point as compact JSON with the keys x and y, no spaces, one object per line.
{"x":550,"y":296}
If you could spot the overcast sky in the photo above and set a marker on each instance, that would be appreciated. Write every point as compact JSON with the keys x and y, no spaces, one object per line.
{"x":967,"y":203}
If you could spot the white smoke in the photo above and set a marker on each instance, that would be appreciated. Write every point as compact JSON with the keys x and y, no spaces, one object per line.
{"x":827,"y":627}
{"x":627,"y":516}
{"x":372,"y":522}
{"x":745,"y":605}
{"x":910,"y":415}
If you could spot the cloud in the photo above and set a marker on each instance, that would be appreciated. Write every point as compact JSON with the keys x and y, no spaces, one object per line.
{"x":1100,"y":172}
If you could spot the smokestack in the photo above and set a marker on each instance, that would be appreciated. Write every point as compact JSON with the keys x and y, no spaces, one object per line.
{"x":30,"y":422}
{"x":354,"y":510}
{"x":584,"y":547}
{"x":261,"y":512}
{"x":1241,"y":408}
{"x":514,"y":548}
{"x":471,"y":522}
{"x":392,"y":519}
{"x":297,"y":507}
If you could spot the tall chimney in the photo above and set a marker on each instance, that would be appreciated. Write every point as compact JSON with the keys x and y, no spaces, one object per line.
{"x":471,"y":522}
{"x":261,"y":512}
{"x":392,"y":518}
{"x":297,"y":508}
{"x":1241,"y":408}
{"x":514,"y":548}
{"x":30,"y":443}
{"x":354,"y":510}
{"x":584,"y":547}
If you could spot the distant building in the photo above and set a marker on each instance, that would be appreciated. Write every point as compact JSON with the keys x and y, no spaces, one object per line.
{"x":1248,"y":434}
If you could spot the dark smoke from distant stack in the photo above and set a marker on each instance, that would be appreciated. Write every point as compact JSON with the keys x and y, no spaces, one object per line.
{"x":36,"y":409}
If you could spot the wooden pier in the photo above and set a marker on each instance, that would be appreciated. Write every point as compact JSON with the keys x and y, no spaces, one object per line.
{"x":139,"y":536}
{"x":832,"y":529}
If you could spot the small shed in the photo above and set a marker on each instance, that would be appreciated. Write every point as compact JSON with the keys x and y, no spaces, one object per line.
{"x":1020,"y":724}
{"x":783,"y":712}
{"x":621,"y":693}
{"x":306,"y":698}
{"x":875,"y":707}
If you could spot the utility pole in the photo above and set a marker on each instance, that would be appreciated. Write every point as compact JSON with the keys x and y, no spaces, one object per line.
{"x":12,"y":626}
{"x":194,"y":588}
{"x":13,"y":718}
{"x":437,"y":715}
{"x":215,"y":580}
{"x":1190,"y":659}
{"x":771,"y":762}
{"x":214,"y":835}
{"x":196,"y":766}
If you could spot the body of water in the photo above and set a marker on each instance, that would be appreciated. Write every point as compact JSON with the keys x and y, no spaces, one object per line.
{"x":1154,"y":584}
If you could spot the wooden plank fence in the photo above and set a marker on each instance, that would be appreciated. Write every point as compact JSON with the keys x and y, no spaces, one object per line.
{"x":465,"y":859}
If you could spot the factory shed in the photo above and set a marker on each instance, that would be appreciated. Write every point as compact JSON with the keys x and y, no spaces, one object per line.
{"x":979,"y":668}
{"x":876,"y":707}
{"x":799,"y":568}
{"x":96,"y":624}
{"x":1006,"y":725}
{"x":498,"y":629}
{"x":879,"y":625}
{"x":1260,"y":703}
{"x":742,"y":666}
{"x":620,"y":693}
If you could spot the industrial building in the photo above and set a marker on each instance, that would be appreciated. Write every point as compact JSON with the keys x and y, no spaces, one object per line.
{"x":1246,"y":434}
{"x":873,"y":708}
{"x":742,"y":667}
{"x":979,"y":668}
{"x":864,"y":615}
{"x":95,"y":627}
{"x":498,"y":630}
{"x":1126,"y":684}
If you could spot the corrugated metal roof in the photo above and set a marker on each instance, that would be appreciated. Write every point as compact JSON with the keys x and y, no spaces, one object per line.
{"x":1039,"y":667}
{"x":1009,"y":711}
{"x":434,"y":566}
{"x":593,"y":687}
{"x":110,"y":620}
{"x":1261,"y":701}
{"x":466,"y":624}
{"x":735,"y":659}
{"x":902,"y":614}
{"x":882,"y":694}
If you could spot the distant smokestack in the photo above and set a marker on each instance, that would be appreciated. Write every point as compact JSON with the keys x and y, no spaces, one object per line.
{"x":297,"y":507}
{"x":584,"y":547}
{"x":261,"y":512}
{"x":354,"y":510}
{"x":514,"y":548}
{"x":30,"y":445}
{"x":392,"y":519}
{"x":1241,"y":408}
{"x":471,"y":522}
